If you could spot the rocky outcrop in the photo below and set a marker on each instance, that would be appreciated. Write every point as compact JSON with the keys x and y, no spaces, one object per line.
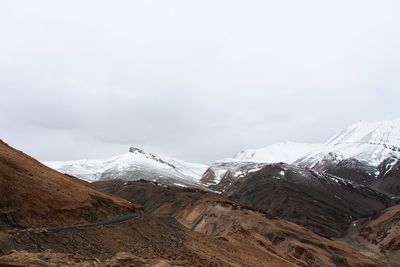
{"x":321,"y":202}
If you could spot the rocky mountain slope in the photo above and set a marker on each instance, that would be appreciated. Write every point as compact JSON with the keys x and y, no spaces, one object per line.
{"x":35,"y":195}
{"x":380,"y":233}
{"x":224,"y":172}
{"x":323,"y":203}
{"x":223,"y":219}
{"x":389,"y":182}
{"x":135,"y":165}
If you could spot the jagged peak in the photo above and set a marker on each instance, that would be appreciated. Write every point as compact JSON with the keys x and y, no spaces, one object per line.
{"x":151,"y":156}
{"x":135,"y":149}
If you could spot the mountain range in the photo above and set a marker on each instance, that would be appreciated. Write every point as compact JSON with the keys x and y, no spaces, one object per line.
{"x":288,"y":204}
{"x":363,"y":153}
{"x":52,"y":219}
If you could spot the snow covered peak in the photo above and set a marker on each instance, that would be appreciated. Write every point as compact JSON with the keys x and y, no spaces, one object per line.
{"x":135,"y":165}
{"x":384,"y":133}
{"x":368,"y":143}
{"x":286,"y":152}
{"x":141,"y":153}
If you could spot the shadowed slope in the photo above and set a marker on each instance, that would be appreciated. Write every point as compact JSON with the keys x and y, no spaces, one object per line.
{"x":321,"y":202}
{"x":223,"y":219}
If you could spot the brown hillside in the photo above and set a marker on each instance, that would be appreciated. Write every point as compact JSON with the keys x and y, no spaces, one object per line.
{"x":34,"y":195}
{"x":252,"y":231}
{"x":381,"y":233}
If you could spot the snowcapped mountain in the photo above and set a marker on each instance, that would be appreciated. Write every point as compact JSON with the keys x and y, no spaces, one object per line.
{"x":287,"y":152}
{"x":363,"y":153}
{"x":223,"y":172}
{"x":368,"y":150}
{"x":135,"y":165}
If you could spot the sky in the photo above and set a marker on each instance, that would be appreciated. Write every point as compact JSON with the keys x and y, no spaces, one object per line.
{"x":195,"y":80}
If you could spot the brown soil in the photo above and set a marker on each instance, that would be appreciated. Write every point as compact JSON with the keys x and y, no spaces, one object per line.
{"x":34,"y":195}
{"x":50,"y":259}
{"x":250,"y":230}
{"x":381,"y":233}
{"x":148,"y":237}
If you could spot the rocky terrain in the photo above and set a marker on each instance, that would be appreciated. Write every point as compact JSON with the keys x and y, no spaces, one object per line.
{"x":222,"y":173}
{"x":172,"y":225}
{"x":223,"y":219}
{"x":379,"y":233}
{"x":44,"y":211}
{"x":321,"y":202}
{"x":389,"y":182}
{"x":51,"y":259}
{"x":353,"y":175}
{"x":34,"y":195}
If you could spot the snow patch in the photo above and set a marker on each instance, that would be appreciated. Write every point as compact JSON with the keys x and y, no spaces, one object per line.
{"x":286,"y":152}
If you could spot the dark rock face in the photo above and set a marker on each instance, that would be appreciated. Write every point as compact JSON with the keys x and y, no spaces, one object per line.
{"x":227,"y":179}
{"x":383,"y":178}
{"x":352,"y":170}
{"x":135,"y":149}
{"x":323,"y":203}
{"x":389,"y":183}
{"x":208,"y":177}
{"x":362,"y":172}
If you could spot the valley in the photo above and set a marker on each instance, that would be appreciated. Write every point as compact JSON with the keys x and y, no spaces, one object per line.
{"x":332,"y":204}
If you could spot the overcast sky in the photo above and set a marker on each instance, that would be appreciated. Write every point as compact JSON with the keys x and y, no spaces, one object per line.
{"x":196,"y":80}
